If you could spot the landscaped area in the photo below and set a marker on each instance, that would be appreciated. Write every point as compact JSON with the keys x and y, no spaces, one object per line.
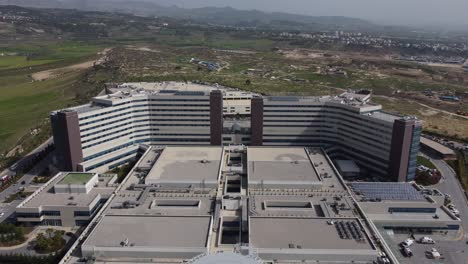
{"x":427,"y":173}
{"x":76,"y":178}
{"x":51,"y":241}
{"x":16,"y":196}
{"x":426,"y":162}
{"x":11,"y":235}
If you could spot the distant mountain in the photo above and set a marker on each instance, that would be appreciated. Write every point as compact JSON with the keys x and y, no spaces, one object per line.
{"x":226,"y":16}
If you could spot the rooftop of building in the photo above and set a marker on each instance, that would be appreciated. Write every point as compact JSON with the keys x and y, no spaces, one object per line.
{"x":386,"y":191}
{"x":305,"y":233}
{"x":158,"y":204}
{"x":159,"y":217}
{"x":280,"y":165}
{"x":357,"y":101}
{"x":347,"y":166}
{"x":76,"y":178}
{"x":175,"y":86}
{"x":186,"y":164}
{"x":437,"y":146}
{"x":314,"y":205}
{"x":46,"y":196}
{"x":384,"y":116}
{"x":151,"y":231}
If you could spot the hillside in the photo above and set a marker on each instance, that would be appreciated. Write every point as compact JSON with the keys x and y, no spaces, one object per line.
{"x":226,"y":16}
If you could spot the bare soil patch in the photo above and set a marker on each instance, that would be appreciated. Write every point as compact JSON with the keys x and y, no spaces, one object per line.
{"x":54,"y":73}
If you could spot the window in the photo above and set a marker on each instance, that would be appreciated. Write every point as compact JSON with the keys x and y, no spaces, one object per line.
{"x":28,"y":215}
{"x":51,"y":213}
{"x":411,"y":210}
{"x":52,"y":222}
{"x":82,"y":213}
{"x":81,"y":222}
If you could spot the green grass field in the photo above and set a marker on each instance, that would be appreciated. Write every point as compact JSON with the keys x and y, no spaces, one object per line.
{"x":11,"y":62}
{"x":25,"y":104}
{"x":425,"y":162}
{"x":76,"y":178}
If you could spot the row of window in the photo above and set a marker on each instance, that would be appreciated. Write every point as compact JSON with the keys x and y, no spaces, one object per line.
{"x":141,"y":106}
{"x":102,"y":153}
{"x":362,"y":123}
{"x":144,"y":125}
{"x":111,"y":128}
{"x":97,"y":165}
{"x":180,"y":135}
{"x":163,"y":100}
{"x":137,"y":116}
{"x":37,"y":215}
{"x":143,"y":110}
{"x":411,"y":210}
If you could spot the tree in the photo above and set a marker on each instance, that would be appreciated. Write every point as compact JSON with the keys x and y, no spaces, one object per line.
{"x":41,"y":242}
{"x":49,"y":232}
{"x":248,"y":82}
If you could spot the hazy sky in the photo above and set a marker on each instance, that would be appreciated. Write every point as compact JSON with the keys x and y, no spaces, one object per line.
{"x":416,"y":12}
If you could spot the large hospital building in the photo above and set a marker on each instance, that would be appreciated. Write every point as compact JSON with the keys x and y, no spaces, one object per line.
{"x":111,"y":130}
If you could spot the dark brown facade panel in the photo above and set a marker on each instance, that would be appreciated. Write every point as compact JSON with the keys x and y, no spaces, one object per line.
{"x":400,"y":149}
{"x":67,"y":140}
{"x":256,"y":121}
{"x":216,"y":118}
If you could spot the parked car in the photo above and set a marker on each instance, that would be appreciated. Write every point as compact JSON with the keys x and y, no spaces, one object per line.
{"x":434,"y":253}
{"x":407,"y":252}
{"x":455,"y":212}
{"x":407,"y":243}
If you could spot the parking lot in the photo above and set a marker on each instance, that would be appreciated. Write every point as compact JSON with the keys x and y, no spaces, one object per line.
{"x":452,"y":251}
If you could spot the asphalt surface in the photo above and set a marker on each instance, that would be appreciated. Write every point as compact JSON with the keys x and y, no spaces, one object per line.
{"x":453,"y":250}
{"x":9,"y":208}
{"x":12,"y":169}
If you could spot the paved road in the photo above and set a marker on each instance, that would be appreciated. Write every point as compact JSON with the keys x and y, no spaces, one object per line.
{"x":12,"y":169}
{"x":455,"y":252}
{"x":9,"y":209}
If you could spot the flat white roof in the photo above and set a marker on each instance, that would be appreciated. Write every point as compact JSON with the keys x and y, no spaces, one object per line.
{"x":308,"y":233}
{"x":151,"y":231}
{"x":437,"y":146}
{"x":186,"y":164}
{"x":280,"y":164}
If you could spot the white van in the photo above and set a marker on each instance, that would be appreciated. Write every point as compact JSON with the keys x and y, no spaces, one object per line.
{"x":426,"y":240}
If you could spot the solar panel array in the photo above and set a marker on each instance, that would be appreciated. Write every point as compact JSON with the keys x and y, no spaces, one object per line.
{"x":348,"y":230}
{"x":387,"y":191}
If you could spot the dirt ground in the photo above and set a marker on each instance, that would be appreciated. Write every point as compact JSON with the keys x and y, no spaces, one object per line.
{"x":146,"y":49}
{"x":54,"y":73}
